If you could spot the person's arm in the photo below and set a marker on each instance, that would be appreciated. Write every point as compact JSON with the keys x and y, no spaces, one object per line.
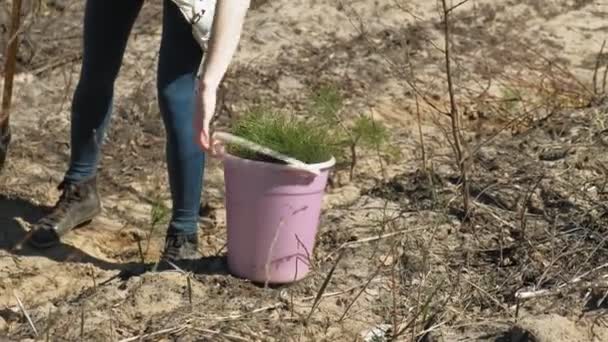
{"x":228,"y":21}
{"x":224,"y":39}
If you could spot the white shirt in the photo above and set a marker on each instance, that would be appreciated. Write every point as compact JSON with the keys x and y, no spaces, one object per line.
{"x":216,"y":26}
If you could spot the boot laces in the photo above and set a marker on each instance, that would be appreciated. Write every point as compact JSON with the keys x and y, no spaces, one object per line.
{"x":71,"y":194}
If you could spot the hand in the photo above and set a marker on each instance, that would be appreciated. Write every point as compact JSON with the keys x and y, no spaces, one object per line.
{"x":206,"y":99}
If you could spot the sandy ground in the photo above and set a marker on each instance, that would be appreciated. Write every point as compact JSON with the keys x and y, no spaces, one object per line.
{"x":524,"y":81}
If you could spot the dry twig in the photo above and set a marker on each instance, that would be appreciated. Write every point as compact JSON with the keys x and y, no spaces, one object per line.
{"x":9,"y":74}
{"x":158,"y":333}
{"x":454,"y":115}
{"x":218,"y":333}
{"x":27,"y":316}
{"x":556,"y":290}
{"x":353,"y":244}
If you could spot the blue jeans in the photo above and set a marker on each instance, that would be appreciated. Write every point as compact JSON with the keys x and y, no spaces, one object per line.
{"x":107,"y":26}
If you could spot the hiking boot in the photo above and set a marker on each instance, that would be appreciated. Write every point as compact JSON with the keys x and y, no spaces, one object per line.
{"x":77,"y":206}
{"x":180,"y":250}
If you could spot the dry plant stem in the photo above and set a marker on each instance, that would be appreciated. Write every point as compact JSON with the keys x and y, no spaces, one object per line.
{"x":217,"y":333}
{"x":427,"y":303}
{"x":49,"y":324}
{"x":140,"y":251}
{"x":262,"y":309}
{"x":548,"y":292}
{"x":418,"y":115}
{"x":524,"y":206}
{"x":394,"y":65}
{"x":357,"y":243}
{"x":337,"y":293}
{"x":353,"y":161}
{"x":9,"y":65}
{"x":324,"y":286}
{"x":454,"y":115}
{"x":157,"y":333}
{"x":598,"y":65}
{"x":394,"y":288}
{"x":424,"y":332}
{"x":360,"y":293}
{"x":9,"y":74}
{"x":484,"y":292}
{"x":56,"y":63}
{"x":557,"y":66}
{"x":27,"y":316}
{"x":189,"y":290}
{"x":82,"y":323}
{"x":605,"y":79}
{"x":456,"y":6}
{"x":270,"y":251}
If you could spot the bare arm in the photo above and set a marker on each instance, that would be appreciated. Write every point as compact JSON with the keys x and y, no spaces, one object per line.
{"x":227,"y":25}
{"x":224,"y":39}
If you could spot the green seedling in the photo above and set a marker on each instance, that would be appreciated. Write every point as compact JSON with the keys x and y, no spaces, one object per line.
{"x":362,"y":132}
{"x":297,"y":138}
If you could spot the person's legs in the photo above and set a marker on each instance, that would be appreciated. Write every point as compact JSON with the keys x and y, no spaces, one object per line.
{"x":107,"y":25}
{"x":179,"y":60}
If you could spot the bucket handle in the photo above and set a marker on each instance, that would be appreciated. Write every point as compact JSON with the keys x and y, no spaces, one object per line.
{"x":250,"y":145}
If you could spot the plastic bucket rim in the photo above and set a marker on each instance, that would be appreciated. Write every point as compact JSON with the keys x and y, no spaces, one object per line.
{"x":322,"y":166}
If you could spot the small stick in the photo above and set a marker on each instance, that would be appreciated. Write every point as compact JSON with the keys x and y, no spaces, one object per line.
{"x":548,"y":292}
{"x":63,"y":60}
{"x":353,"y":244}
{"x":9,"y":74}
{"x":454,"y":114}
{"x":112,"y":326}
{"x":228,"y":336}
{"x":93,"y":277}
{"x":324,"y":286}
{"x":27,"y":316}
{"x":348,"y":307}
{"x":141,"y":252}
{"x":82,"y":323}
{"x":337,"y":293}
{"x":189,"y":290}
{"x":598,"y":65}
{"x":156,"y":333}
{"x":48,"y":326}
{"x":605,"y":79}
{"x":496,"y":301}
{"x":9,"y":65}
{"x":262,"y":309}
{"x":188,"y":322}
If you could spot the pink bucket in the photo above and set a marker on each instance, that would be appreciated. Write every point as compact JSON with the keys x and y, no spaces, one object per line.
{"x":272,"y":218}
